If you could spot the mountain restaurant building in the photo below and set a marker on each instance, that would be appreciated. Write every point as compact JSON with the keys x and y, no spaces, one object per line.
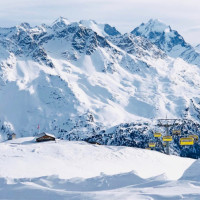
{"x":43,"y":137}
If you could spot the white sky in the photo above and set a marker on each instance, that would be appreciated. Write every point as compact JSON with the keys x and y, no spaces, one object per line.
{"x":125,"y":15}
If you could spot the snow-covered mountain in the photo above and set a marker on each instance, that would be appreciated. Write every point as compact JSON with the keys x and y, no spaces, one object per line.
{"x":82,"y":80}
{"x":170,"y":41}
{"x":197,"y":48}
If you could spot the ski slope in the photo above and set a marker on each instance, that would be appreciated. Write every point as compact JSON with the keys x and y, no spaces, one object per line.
{"x":78,"y":170}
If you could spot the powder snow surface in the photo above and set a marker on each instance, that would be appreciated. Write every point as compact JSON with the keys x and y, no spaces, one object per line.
{"x":77,"y":170}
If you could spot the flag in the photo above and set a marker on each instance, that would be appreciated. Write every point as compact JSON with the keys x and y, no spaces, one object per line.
{"x":38,"y":126}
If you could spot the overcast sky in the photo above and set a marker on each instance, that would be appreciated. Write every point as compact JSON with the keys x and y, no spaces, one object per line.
{"x":182,"y":15}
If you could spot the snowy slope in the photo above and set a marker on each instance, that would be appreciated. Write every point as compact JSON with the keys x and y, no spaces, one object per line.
{"x":84,"y":160}
{"x":77,"y":170}
{"x":78,"y":84}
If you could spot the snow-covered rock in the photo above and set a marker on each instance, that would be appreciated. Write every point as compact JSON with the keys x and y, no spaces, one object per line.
{"x":138,"y":46}
{"x":100,"y":29}
{"x":61,"y":22}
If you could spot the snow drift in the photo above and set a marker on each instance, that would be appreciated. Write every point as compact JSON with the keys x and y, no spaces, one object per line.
{"x":77,"y":170}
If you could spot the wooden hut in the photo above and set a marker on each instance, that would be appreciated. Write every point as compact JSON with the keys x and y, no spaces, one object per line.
{"x":11,"y":136}
{"x":43,"y":137}
{"x":91,"y":142}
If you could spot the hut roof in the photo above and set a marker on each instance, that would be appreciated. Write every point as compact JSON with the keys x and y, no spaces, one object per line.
{"x":43,"y":134}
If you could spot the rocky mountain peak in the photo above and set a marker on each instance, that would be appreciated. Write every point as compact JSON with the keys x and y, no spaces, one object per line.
{"x":25,"y":25}
{"x":61,"y":22}
{"x":152,"y":26}
{"x":154,"y":29}
{"x":168,"y":40}
{"x":100,"y":29}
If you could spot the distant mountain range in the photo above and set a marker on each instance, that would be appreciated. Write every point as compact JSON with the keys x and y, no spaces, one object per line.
{"x":82,"y":79}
